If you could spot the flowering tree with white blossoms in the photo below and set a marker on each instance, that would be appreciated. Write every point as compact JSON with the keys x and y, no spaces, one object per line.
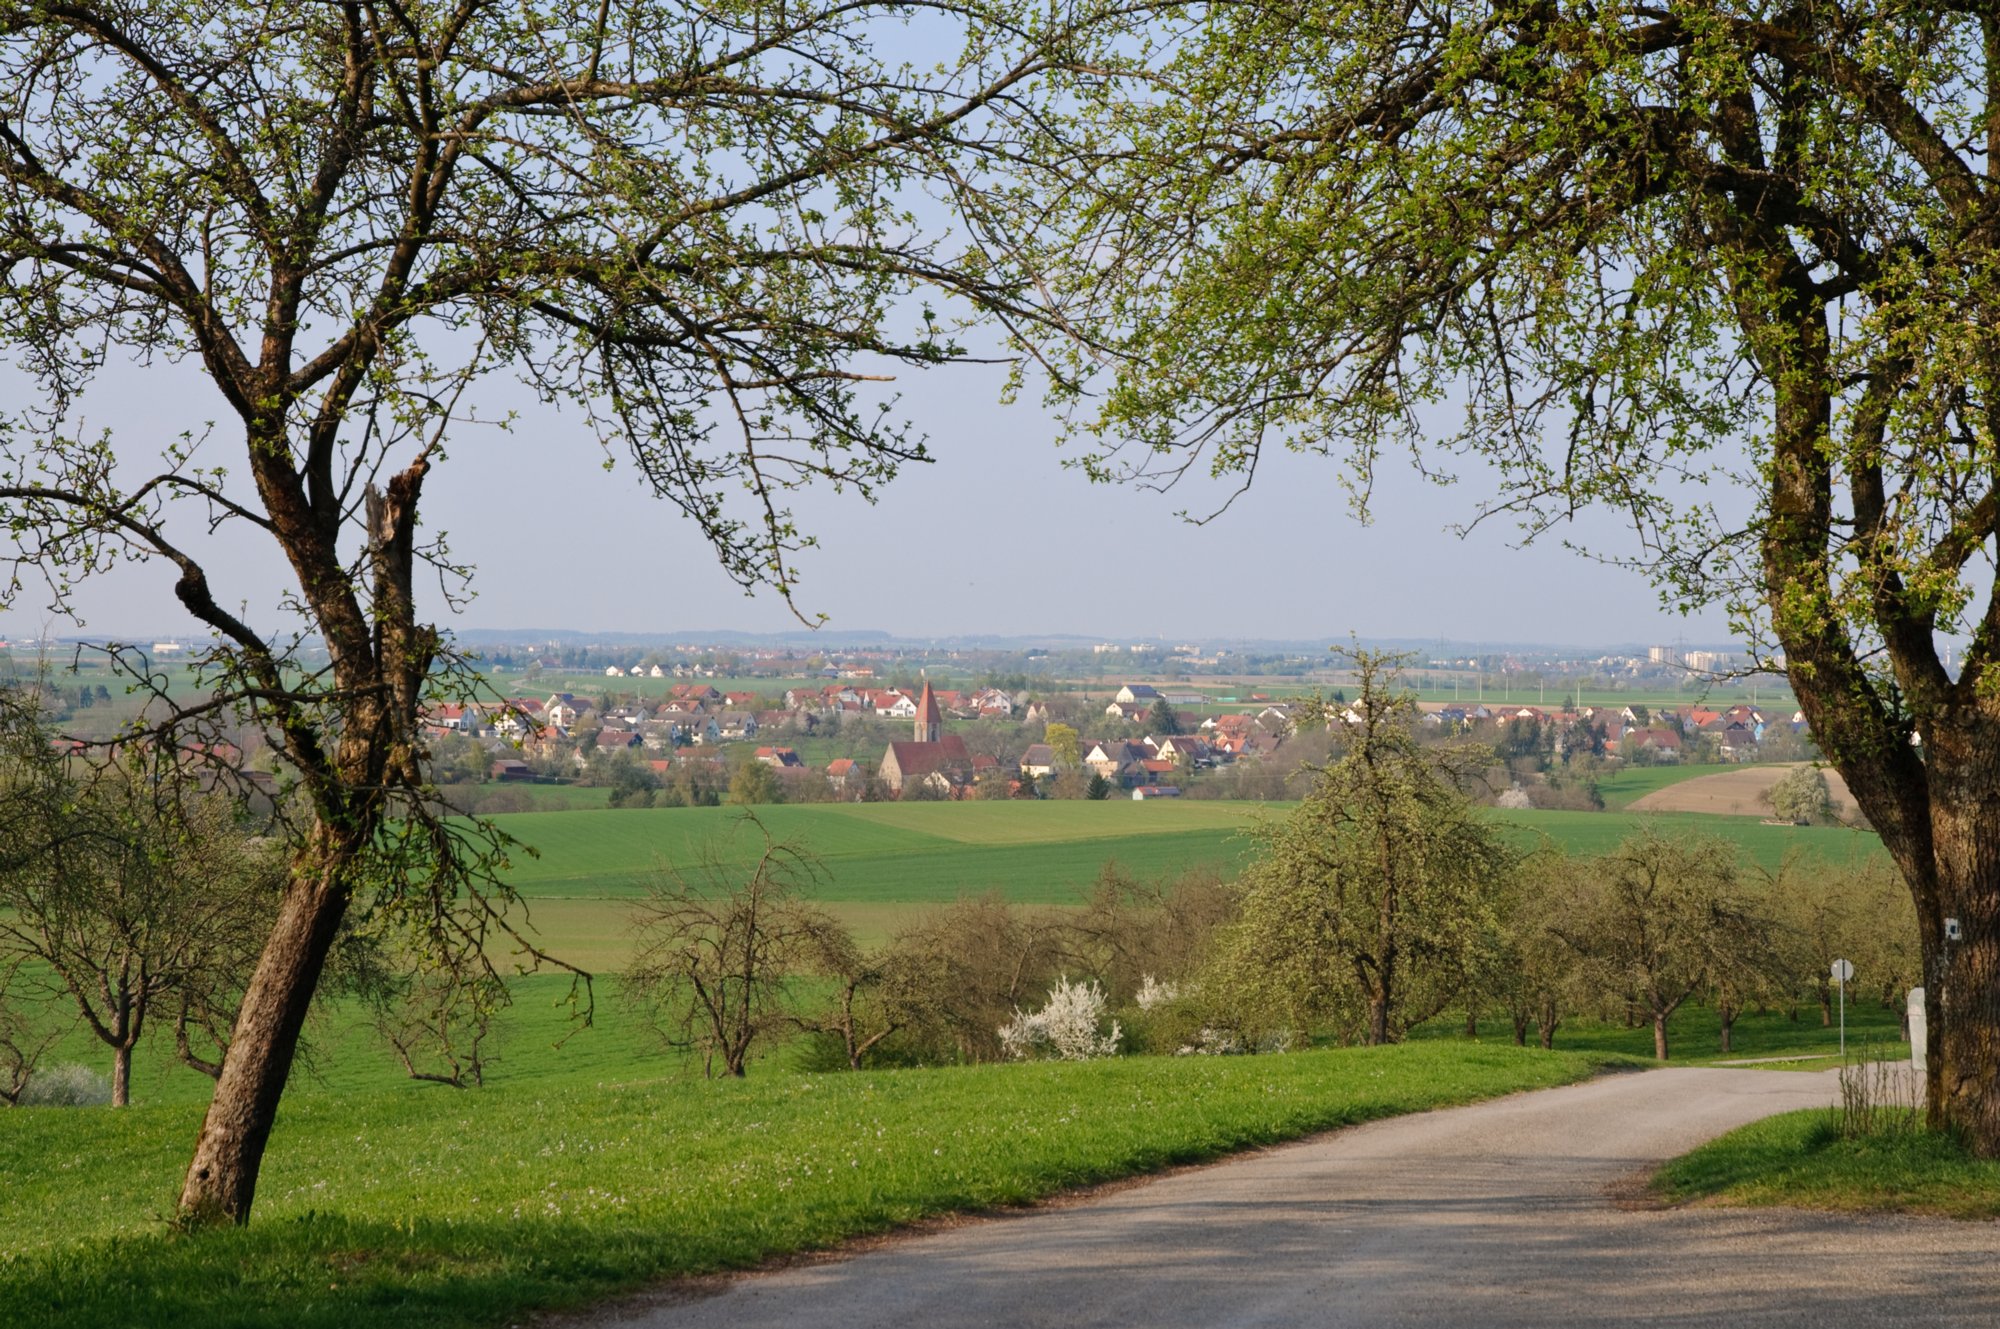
{"x":1065,"y":1029}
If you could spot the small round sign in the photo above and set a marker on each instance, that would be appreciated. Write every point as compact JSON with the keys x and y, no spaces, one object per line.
{"x":1842,"y":970}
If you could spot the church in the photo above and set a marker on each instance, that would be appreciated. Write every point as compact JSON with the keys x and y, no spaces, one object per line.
{"x":935,"y":757}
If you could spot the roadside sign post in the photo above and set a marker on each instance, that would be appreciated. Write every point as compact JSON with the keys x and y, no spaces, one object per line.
{"x":1842,"y":971}
{"x":1919,"y":1031}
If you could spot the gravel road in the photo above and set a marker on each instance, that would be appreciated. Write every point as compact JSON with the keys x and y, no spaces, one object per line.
{"x":1501,"y":1214}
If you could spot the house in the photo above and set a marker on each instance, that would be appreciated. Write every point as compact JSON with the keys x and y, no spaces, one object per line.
{"x":993,"y":702}
{"x":934,"y":757}
{"x":511,"y":768}
{"x":561,"y":710}
{"x":656,"y":672}
{"x":896,"y":706}
{"x":446,"y":715}
{"x":733,"y":726}
{"x":1664,"y":743}
{"x":1118,"y":761}
{"x":840,"y":770}
{"x":1039,"y":761}
{"x":616,"y":740}
{"x":1146,"y":791}
{"x":1185,"y":748}
{"x":784,"y":759}
{"x":1184,"y":697}
{"x":742,"y":701}
{"x":695,"y":730}
{"x":1137,"y":692}
{"x":1130,"y":712}
{"x":1036,"y":713}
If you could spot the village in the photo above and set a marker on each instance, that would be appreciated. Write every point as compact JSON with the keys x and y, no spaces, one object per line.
{"x":1142,"y":741}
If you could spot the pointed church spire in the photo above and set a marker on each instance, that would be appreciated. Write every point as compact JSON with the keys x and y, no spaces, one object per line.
{"x":930,"y":717}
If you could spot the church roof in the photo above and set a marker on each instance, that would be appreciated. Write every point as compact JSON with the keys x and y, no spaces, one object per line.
{"x":927,"y":708}
{"x":920,"y":759}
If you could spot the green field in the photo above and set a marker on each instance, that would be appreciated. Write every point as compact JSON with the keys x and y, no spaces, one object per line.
{"x":1761,"y":845}
{"x":888,"y":852}
{"x":885,"y":861}
{"x":1621,"y":788}
{"x":428,"y":1206}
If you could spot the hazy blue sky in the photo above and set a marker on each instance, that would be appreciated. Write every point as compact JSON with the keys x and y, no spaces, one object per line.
{"x":995,"y":536}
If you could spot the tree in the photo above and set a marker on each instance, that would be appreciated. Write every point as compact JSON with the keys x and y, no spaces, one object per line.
{"x":1162,"y":718}
{"x":1657,"y":253}
{"x":1533,"y":972}
{"x":1063,"y":745}
{"x":720,"y":948}
{"x":1656,"y":922}
{"x":1801,"y":794}
{"x":346,"y":216}
{"x":754,"y":783}
{"x":1368,"y":903}
{"x":131,"y":895}
{"x":1099,"y":788}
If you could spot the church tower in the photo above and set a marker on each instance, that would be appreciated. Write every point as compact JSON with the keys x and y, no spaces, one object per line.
{"x":930,"y":717}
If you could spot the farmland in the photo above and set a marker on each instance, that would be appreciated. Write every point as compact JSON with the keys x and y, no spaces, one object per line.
{"x":890,"y":852}
{"x":884,"y":861}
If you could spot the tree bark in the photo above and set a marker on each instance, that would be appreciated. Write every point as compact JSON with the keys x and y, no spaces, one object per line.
{"x":221,"y":1181}
{"x":121,"y":1075}
{"x":1962,"y":977}
{"x":1660,"y":1037}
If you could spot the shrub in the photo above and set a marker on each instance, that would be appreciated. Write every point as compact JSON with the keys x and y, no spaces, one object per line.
{"x":66,"y":1086}
{"x":1066,"y":1028}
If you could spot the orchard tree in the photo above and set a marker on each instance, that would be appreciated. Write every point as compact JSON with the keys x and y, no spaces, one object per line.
{"x":1371,"y":901}
{"x":1728,"y":268}
{"x":127,"y":895}
{"x":701,"y":228}
{"x":1801,"y":794}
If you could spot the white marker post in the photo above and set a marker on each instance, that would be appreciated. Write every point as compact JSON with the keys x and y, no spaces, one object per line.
{"x":1919,"y":1031}
{"x":1842,"y":971}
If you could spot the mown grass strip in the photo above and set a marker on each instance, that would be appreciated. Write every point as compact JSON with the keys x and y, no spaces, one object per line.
{"x":1799,"y":1159}
{"x":465,"y":1209}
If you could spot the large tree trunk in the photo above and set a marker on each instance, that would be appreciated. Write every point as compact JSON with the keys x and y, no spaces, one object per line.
{"x":1962,"y":976}
{"x":1660,"y":1036}
{"x":222,"y":1180}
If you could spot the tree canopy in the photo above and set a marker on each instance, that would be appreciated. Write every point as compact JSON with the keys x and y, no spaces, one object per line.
{"x":705,"y":230}
{"x":1727,"y":268}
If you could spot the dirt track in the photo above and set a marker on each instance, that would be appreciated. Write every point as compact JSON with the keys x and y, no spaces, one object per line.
{"x":1516,"y":1213}
{"x":1736,"y":793}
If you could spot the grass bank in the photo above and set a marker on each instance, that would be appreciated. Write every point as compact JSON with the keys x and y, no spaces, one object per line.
{"x":1800,"y":1159}
{"x":442,"y":1208}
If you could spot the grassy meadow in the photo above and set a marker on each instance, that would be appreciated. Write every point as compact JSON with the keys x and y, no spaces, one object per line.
{"x":592,"y":1162}
{"x":1800,"y":1159}
{"x":432,"y":1207}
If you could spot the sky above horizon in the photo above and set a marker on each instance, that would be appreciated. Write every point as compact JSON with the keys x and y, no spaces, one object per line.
{"x":995,"y":536}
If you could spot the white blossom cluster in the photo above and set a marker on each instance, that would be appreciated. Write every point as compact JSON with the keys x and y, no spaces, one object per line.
{"x":1153,"y":993}
{"x":1066,"y":1028}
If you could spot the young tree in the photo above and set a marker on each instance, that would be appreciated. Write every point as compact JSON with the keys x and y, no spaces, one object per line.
{"x":720,"y":949}
{"x":136,"y":900}
{"x":1368,"y":903}
{"x":1162,"y":718}
{"x":1658,"y":253}
{"x":698,"y":226}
